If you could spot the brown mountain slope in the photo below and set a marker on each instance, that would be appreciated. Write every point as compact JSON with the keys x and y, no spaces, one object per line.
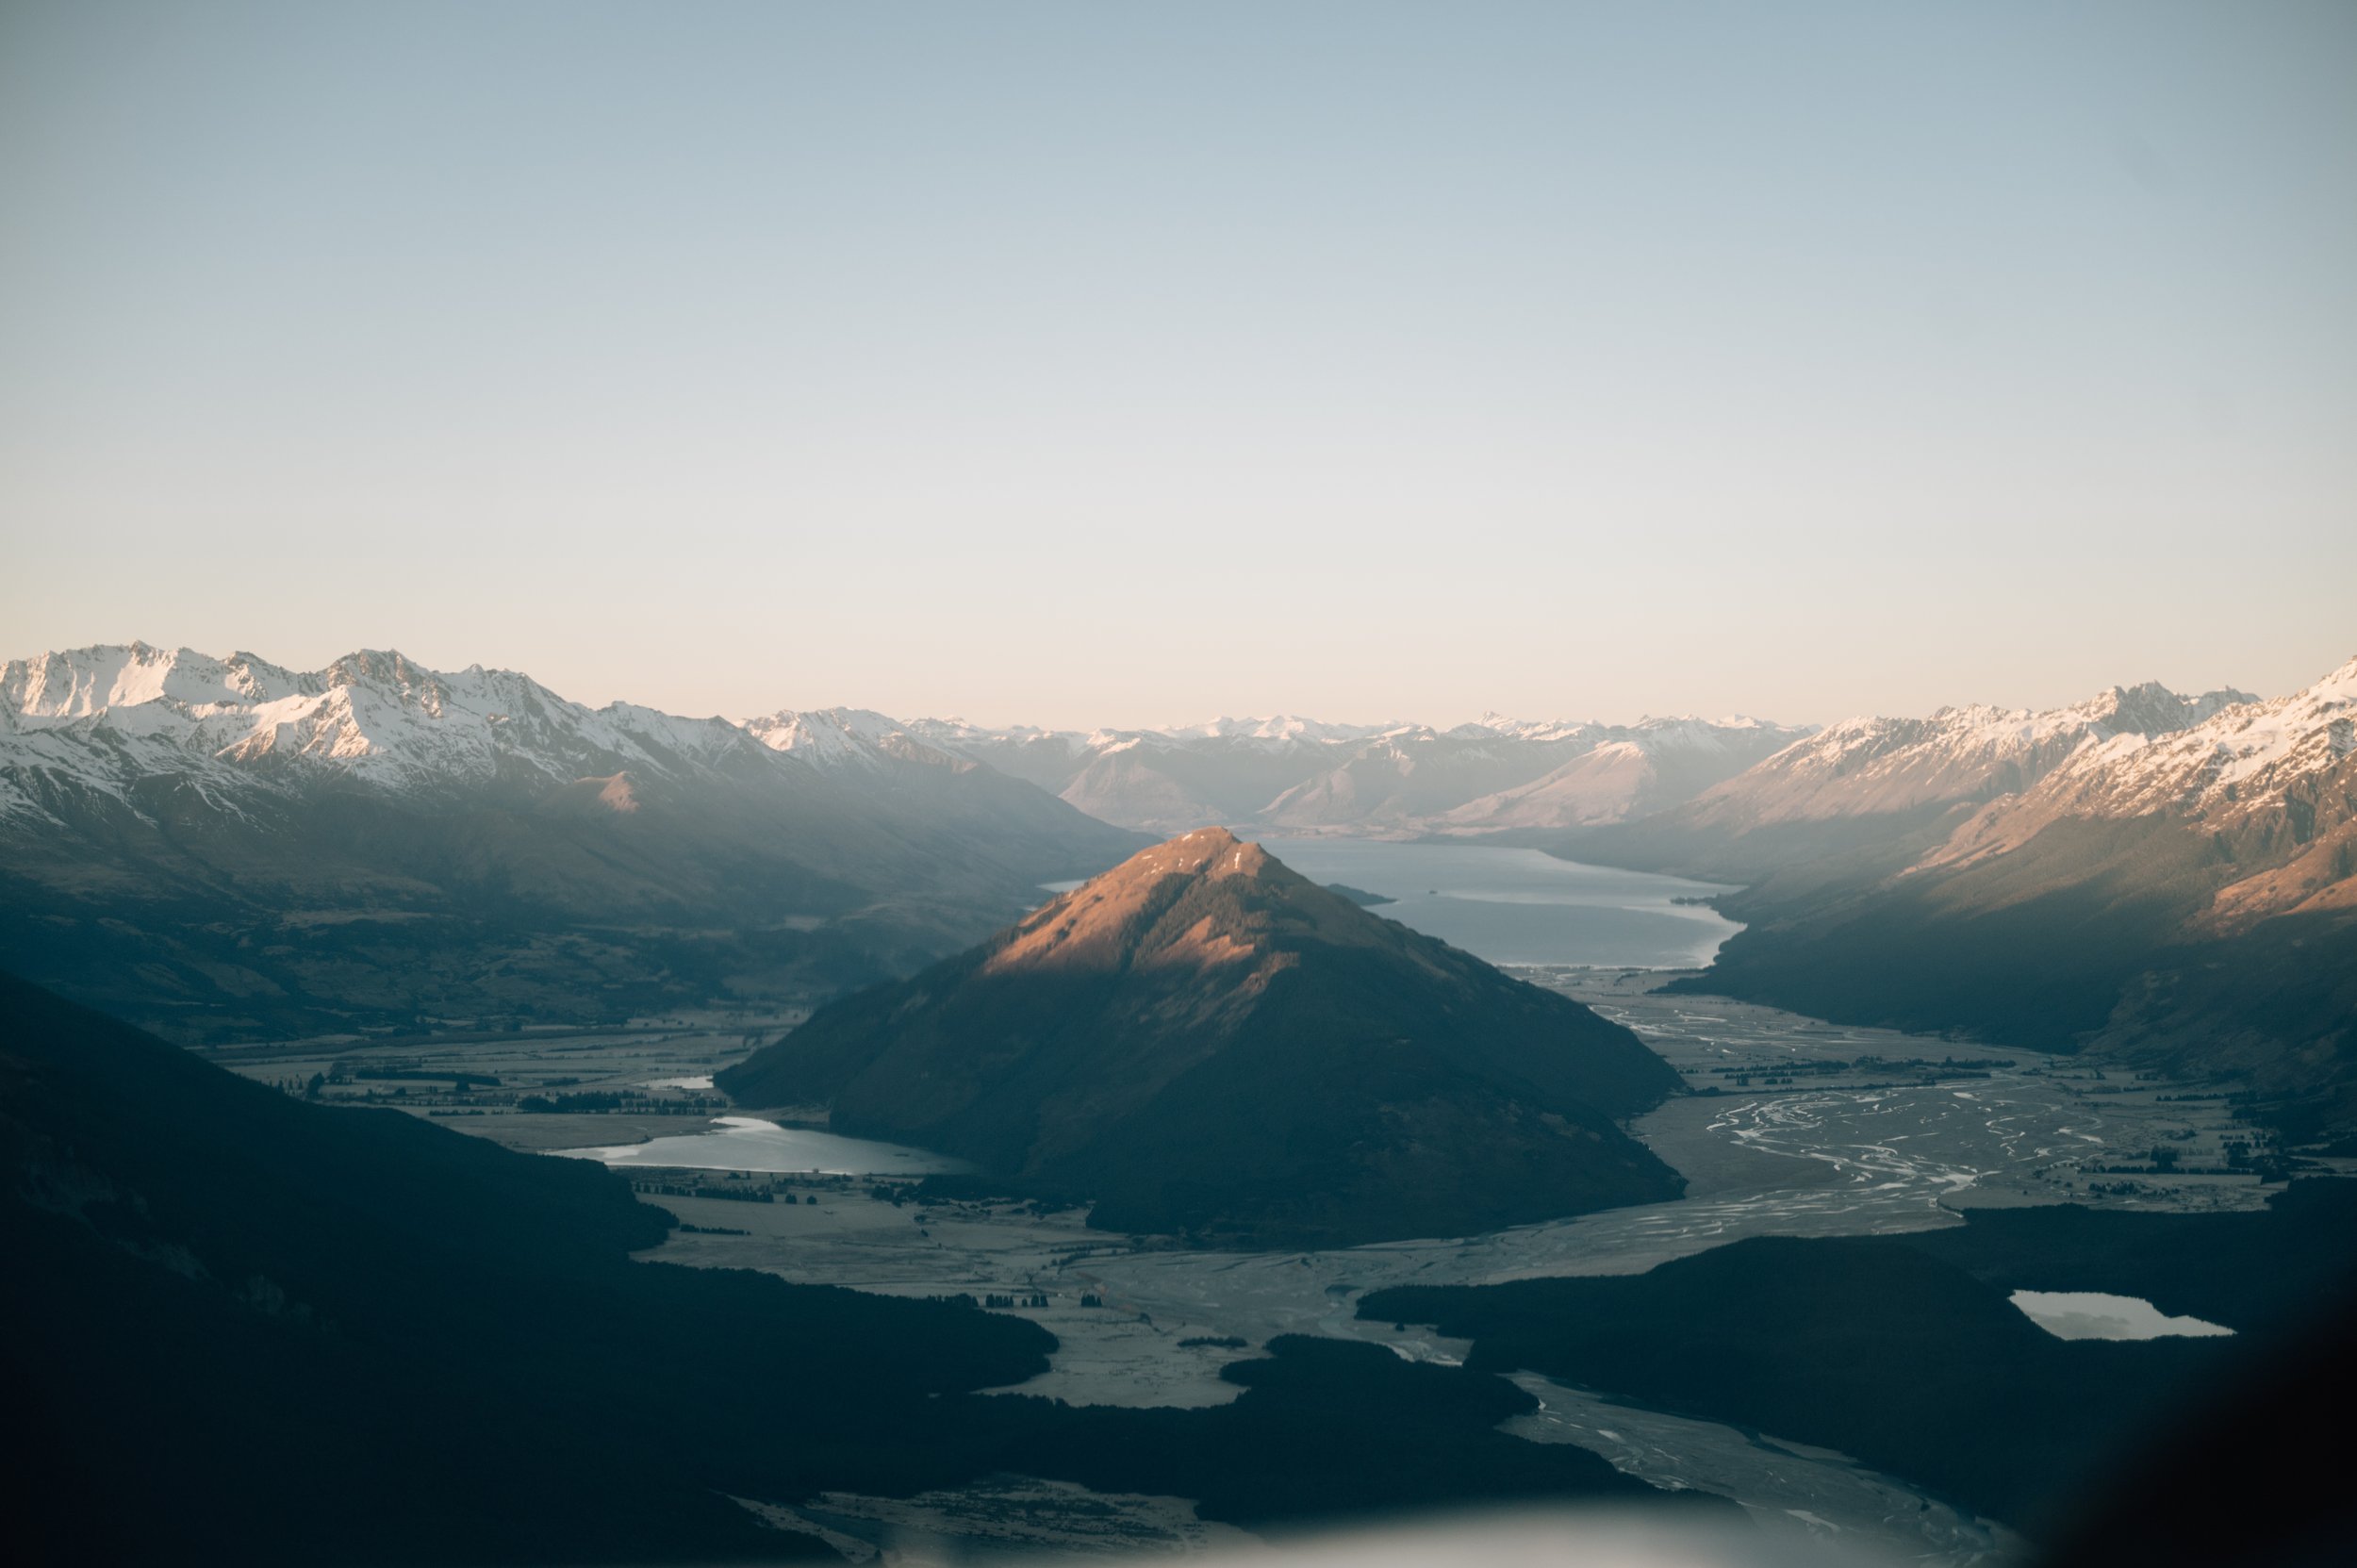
{"x":1205,"y":1041}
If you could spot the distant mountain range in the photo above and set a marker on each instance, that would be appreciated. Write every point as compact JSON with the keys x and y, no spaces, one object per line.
{"x":1297,"y":775}
{"x":228,"y":849}
{"x":1206,"y":1043}
{"x":2168,"y":879}
{"x":224,"y":848}
{"x":1892,"y":787}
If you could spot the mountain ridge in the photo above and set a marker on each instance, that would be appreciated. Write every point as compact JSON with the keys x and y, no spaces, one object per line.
{"x":228,"y":849}
{"x":2181,"y":896}
{"x":1399,"y":780}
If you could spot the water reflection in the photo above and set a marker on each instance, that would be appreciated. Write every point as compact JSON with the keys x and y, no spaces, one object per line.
{"x":749,"y":1143}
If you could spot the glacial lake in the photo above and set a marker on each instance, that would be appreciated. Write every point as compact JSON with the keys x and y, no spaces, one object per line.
{"x":2093,"y":1314}
{"x":749,"y":1143}
{"x":1522,"y":906}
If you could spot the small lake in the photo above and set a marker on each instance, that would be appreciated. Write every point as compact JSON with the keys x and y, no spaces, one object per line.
{"x":1522,"y":906}
{"x":749,"y":1143}
{"x":2092,"y":1314}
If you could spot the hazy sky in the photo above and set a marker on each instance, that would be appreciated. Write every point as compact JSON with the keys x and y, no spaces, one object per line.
{"x":1124,"y":364}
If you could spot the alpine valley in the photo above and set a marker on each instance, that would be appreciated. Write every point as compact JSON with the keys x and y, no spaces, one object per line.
{"x":2163,"y":881}
{"x":1241,"y":1204}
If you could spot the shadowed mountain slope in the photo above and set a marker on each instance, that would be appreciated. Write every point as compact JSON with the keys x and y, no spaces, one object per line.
{"x":1205,"y":1041}
{"x":246,"y":1327}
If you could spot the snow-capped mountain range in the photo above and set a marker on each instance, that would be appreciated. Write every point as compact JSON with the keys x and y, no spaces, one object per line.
{"x":226,"y":847}
{"x":1294,"y":775}
{"x":102,"y":719}
{"x":1878,"y":797}
{"x":1968,"y":785}
{"x":2230,"y":760}
{"x":2277,"y":778}
{"x":2167,"y":881}
{"x":1864,"y":767}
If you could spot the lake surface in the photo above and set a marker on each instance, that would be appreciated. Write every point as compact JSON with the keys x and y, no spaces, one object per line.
{"x":1522,"y":906}
{"x":2093,"y":1314}
{"x":749,"y":1143}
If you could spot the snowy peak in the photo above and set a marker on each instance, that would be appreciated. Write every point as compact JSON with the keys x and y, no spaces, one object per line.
{"x":89,"y":682}
{"x":1280,"y":728}
{"x":2152,"y":709}
{"x":1872,"y":765}
{"x":857,"y":738}
{"x":1303,"y":775}
{"x":826,"y":736}
{"x":2239,"y":757}
{"x":100,"y":719}
{"x":108,"y":716}
{"x":2269,"y":789}
{"x":379,"y":714}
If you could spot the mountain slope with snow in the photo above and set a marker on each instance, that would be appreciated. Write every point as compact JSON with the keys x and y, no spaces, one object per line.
{"x":2168,"y":881}
{"x":2272,"y":782}
{"x":1870,"y":796}
{"x":225,"y":847}
{"x":1651,"y":767}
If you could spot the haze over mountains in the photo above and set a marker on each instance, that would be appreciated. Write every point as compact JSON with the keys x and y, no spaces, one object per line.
{"x":1204,"y":1043}
{"x":226,"y":847}
{"x":1297,"y":775}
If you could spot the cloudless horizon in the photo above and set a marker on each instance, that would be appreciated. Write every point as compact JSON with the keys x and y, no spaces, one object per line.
{"x":1083,"y":366}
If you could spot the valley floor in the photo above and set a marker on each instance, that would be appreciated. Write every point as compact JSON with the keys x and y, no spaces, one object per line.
{"x":1813,"y":1130}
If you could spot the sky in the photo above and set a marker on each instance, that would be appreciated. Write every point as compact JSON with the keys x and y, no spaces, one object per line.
{"x":1086,"y":364}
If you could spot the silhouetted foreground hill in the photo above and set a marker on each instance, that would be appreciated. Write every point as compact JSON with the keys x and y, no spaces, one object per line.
{"x":1904,"y":1352}
{"x":233,"y":1326}
{"x":347,"y":1335}
{"x":1206,"y":1043}
{"x":2246,"y":1477}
